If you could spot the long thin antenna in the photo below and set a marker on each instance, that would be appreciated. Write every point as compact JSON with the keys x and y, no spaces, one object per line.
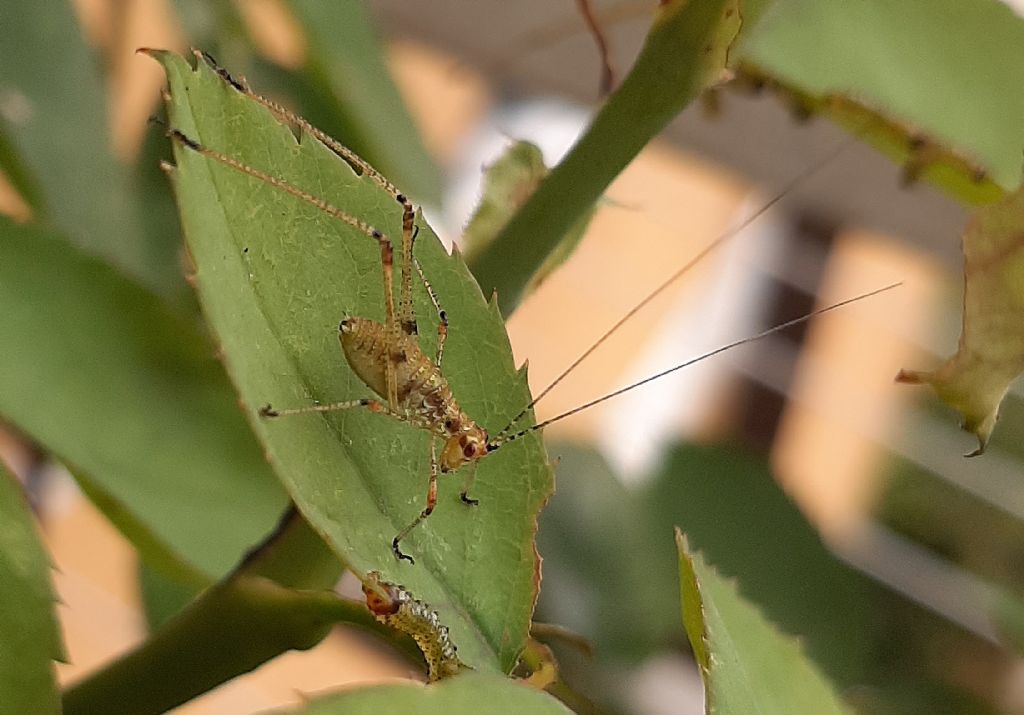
{"x":499,"y":441}
{"x":594,"y":28}
{"x":721,"y":239}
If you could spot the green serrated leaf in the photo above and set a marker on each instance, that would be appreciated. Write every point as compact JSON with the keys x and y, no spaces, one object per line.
{"x":746,"y":664}
{"x":921,"y":157}
{"x":469,"y":693}
{"x":727,"y":501}
{"x":917,"y":60}
{"x":101,"y":373}
{"x":30,"y":638}
{"x":275,"y":276}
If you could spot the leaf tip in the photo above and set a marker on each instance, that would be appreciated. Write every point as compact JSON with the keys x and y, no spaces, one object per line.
{"x":150,"y":52}
{"x":681,"y":541}
{"x":523,"y":370}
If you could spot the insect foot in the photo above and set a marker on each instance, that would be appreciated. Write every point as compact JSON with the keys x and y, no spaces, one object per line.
{"x":267,"y":411}
{"x":399,"y":554}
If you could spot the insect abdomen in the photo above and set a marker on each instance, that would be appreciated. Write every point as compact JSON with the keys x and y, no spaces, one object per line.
{"x":364,"y":343}
{"x":423,"y":392}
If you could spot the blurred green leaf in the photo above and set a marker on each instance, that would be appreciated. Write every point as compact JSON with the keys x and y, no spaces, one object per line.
{"x":1011,"y":424}
{"x":921,"y":157}
{"x":921,"y":61}
{"x":279,"y":598}
{"x":16,"y":172}
{"x":53,"y":100}
{"x":508,"y":183}
{"x":31,"y":639}
{"x":605,"y":545}
{"x":156,"y":552}
{"x":602,"y":557}
{"x":915,"y":697}
{"x":344,"y":88}
{"x":161,"y":226}
{"x":162,"y":597}
{"x":731,"y":509}
{"x":1008,"y":615}
{"x":275,"y":275}
{"x":360,"y":104}
{"x":469,"y":693}
{"x":103,"y":375}
{"x":685,"y":50}
{"x":990,"y":354}
{"x":955,"y":525}
{"x":746,"y":664}
{"x":601,"y":549}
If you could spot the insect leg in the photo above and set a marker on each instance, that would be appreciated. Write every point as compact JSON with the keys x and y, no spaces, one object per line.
{"x":431,"y":501}
{"x":406,"y":311}
{"x":442,"y":316}
{"x":289,"y":116}
{"x":407,"y":317}
{"x":467,"y":483}
{"x":395,"y":354}
{"x":373,"y":405}
{"x":386,"y":248}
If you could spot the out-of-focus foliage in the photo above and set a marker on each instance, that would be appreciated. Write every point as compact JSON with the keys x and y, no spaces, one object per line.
{"x":746,"y":664}
{"x":991,"y":352}
{"x":108,"y":367}
{"x":944,"y":70}
{"x":31,"y":640}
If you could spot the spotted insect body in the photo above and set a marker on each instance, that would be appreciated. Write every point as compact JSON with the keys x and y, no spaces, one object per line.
{"x":396,"y":608}
{"x":423,"y":395}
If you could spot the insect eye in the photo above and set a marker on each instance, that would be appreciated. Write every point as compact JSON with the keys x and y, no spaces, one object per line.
{"x":469,"y":451}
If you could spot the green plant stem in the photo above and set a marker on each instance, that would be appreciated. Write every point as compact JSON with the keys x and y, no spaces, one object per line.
{"x":231,"y":629}
{"x":264,"y":608}
{"x":685,"y":50}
